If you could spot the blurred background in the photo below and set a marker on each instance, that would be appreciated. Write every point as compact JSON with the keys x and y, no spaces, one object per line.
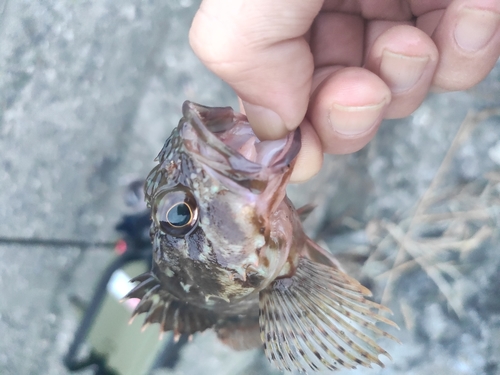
{"x":90,"y":90}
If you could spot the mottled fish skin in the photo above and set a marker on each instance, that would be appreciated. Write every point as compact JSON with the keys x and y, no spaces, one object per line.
{"x":230,"y":252}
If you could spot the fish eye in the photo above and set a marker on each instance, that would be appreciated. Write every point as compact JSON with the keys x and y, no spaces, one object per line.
{"x":175,"y":212}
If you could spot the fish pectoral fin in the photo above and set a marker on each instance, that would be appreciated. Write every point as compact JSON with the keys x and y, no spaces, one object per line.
{"x":319,"y":319}
{"x":162,"y":307}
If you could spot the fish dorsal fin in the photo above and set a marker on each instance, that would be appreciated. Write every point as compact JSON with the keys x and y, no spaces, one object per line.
{"x":318,"y":320}
{"x":305,"y":211}
{"x":163,"y":308}
{"x":317,"y":254}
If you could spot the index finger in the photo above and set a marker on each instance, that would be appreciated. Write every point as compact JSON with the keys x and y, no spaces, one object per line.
{"x":258,"y":48}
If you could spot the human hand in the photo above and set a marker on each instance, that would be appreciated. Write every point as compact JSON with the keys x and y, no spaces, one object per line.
{"x":337,"y":68}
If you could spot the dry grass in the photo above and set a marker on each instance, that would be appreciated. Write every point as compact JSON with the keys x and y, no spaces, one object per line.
{"x":466,"y":217}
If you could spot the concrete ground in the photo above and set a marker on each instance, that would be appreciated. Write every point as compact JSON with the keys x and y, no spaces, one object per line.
{"x":89,"y":91}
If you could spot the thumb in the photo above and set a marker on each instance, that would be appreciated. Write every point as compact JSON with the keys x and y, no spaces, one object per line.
{"x":258,"y":48}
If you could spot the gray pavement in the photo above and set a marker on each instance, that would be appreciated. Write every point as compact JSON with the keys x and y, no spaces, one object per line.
{"x":88,"y":93}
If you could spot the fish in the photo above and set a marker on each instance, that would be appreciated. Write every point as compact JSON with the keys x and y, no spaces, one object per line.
{"x":230,"y":252}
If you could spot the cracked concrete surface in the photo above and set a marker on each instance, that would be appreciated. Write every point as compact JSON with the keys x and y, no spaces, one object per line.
{"x":89,"y":91}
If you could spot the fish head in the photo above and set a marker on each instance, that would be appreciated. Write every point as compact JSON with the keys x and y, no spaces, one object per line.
{"x":212,"y":197}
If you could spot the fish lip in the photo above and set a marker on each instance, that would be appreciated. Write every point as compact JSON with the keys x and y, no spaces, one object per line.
{"x":203,"y":118}
{"x":208,"y":121}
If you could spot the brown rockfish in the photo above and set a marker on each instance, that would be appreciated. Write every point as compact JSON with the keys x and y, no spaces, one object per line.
{"x":230,"y":253}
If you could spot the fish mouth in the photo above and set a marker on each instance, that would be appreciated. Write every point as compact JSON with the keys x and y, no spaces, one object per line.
{"x":224,"y":141}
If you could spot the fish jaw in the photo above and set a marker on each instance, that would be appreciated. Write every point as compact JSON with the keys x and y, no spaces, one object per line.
{"x":224,"y":143}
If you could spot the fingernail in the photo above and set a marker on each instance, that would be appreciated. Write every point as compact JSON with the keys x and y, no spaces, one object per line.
{"x":475,"y":28}
{"x":348,"y":120}
{"x":266,"y":123}
{"x":401,"y":72}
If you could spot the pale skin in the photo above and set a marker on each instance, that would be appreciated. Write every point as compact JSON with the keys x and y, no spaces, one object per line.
{"x":338,"y":68}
